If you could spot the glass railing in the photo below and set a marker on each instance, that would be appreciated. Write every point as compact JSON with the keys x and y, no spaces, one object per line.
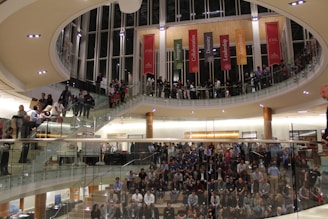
{"x":227,"y":175}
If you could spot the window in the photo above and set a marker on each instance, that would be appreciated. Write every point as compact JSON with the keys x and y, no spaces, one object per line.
{"x":93,"y":20}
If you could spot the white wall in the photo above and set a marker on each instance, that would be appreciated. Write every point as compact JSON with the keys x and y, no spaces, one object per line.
{"x":176,"y":129}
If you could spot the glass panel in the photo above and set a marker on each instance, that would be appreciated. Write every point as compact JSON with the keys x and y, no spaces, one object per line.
{"x":229,"y":7}
{"x":105,"y":18}
{"x":199,"y":9}
{"x":116,"y":42}
{"x":91,"y":46}
{"x":129,"y":45}
{"x":103,"y":67}
{"x":185,"y":10}
{"x":143,"y":13}
{"x":93,"y":20}
{"x":264,"y":49}
{"x":215,"y":10}
{"x":128,"y":70}
{"x":103,"y":44}
{"x":155,"y":12}
{"x":245,"y":7}
{"x":115,"y":68}
{"x":297,"y":31}
{"x":262,"y":9}
{"x":90,"y":69}
{"x":117,"y":17}
{"x":170,"y":11}
{"x":130,"y":19}
{"x":249,"y":50}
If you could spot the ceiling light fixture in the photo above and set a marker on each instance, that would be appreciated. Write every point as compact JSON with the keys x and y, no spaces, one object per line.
{"x":162,"y":27}
{"x":306,"y":92}
{"x":255,"y":18}
{"x":42,"y":72}
{"x":295,"y":3}
{"x":33,"y":35}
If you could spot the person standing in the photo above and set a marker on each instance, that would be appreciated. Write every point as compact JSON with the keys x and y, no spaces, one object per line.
{"x":5,"y":152}
{"x":98,"y":83}
{"x":324,"y":95}
{"x":66,"y":96}
{"x":42,"y":101}
{"x":19,"y":119}
{"x":80,"y":102}
{"x":274,"y":173}
{"x":57,"y":109}
{"x":88,"y":104}
{"x":50,"y":101}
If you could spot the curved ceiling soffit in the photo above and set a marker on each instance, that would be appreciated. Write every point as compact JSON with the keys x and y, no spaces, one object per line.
{"x":7,"y":8}
{"x":126,"y":6}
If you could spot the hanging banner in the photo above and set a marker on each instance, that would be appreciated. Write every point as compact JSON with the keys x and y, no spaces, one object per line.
{"x":148,"y":54}
{"x":208,"y":47}
{"x":273,"y":43}
{"x":240,"y":46}
{"x":225,"y":53}
{"x":178,"y":54}
{"x":193,"y":51}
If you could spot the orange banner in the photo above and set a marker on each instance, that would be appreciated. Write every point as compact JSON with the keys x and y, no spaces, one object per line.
{"x":240,"y":46}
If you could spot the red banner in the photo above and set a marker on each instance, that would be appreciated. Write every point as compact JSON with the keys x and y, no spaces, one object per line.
{"x":148,"y":54}
{"x":225,"y":53}
{"x":273,"y":43}
{"x":193,"y":51}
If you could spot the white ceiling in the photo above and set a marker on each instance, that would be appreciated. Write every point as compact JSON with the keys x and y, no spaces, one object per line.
{"x":21,"y":58}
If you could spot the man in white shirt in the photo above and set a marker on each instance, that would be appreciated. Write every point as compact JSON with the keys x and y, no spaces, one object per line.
{"x":137,"y":198}
{"x":241,"y":167}
{"x":149,"y":198}
{"x":57,"y":109}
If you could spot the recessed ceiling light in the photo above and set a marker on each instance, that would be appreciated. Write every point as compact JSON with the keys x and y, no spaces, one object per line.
{"x":33,"y":35}
{"x":42,"y":72}
{"x":261,"y":105}
{"x":306,"y":92}
{"x":299,"y":2}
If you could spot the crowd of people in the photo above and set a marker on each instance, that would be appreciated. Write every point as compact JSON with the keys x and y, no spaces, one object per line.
{"x":262,"y":77}
{"x":25,"y":123}
{"x":208,"y":181}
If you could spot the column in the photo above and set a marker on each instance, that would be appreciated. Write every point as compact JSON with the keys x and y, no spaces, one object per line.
{"x":40,"y":206}
{"x":267,"y":115}
{"x":4,"y":209}
{"x":162,"y":42}
{"x":256,"y":37}
{"x":21,"y":204}
{"x":149,"y":125}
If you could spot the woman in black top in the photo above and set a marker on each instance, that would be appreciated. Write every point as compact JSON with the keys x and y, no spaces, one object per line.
{"x":95,"y":213}
{"x":5,"y":152}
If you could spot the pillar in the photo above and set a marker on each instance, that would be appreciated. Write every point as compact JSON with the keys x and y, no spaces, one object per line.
{"x":267,"y":115}
{"x":21,"y":204}
{"x":40,"y":206}
{"x":149,"y":125}
{"x":4,"y":209}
